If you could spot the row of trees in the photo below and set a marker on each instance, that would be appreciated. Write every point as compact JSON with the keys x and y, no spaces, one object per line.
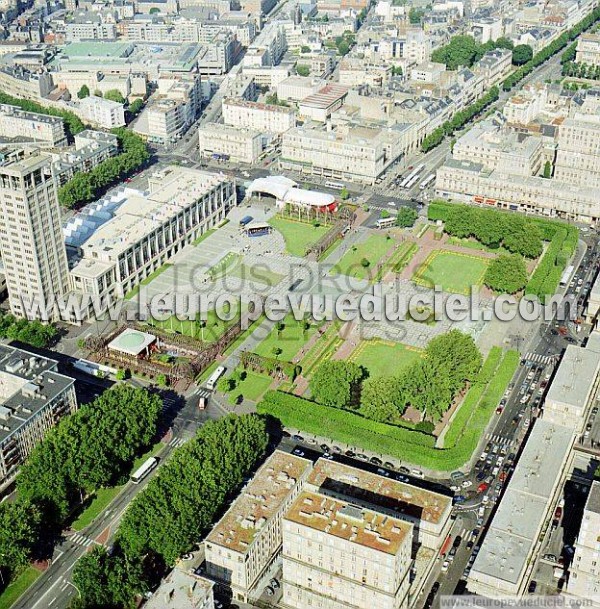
{"x":173,"y":511}
{"x":554,"y":47}
{"x":581,"y":70}
{"x":87,"y":450}
{"x":73,"y":123}
{"x":33,"y":332}
{"x":429,"y":385}
{"x":85,"y":187}
{"x":112,"y":94}
{"x":513,"y":232}
{"x":459,"y":120}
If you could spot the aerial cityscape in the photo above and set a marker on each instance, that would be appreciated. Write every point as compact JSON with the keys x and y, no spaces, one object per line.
{"x":299,"y":304}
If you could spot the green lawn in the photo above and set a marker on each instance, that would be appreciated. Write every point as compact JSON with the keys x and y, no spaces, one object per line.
{"x":252,"y":387}
{"x":297,"y":235}
{"x":453,"y":272}
{"x":383,"y":358}
{"x":12,"y":592}
{"x":372,"y":250}
{"x":104,"y":496}
{"x":290,"y":339}
{"x":211,"y":332}
{"x":473,"y":244}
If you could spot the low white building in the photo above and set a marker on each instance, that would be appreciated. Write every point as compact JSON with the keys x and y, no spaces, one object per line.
{"x":104,"y":112}
{"x":296,"y":88}
{"x":236,"y":143}
{"x":15,"y":122}
{"x":182,"y":590}
{"x":255,"y":115}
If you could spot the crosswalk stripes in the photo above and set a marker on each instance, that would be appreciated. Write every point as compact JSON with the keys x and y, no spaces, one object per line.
{"x":176,"y":442}
{"x":81,"y":540}
{"x":498,"y":439}
{"x":537,"y":358}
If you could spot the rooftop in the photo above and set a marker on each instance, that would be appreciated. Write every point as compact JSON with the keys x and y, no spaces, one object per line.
{"x":259,"y":501}
{"x":405,"y":499}
{"x":575,"y":377}
{"x":242,"y":103}
{"x":27,"y":383}
{"x":326,"y":96}
{"x":181,"y":590}
{"x":349,"y":522}
{"x":593,"y":500}
{"x":131,"y":341}
{"x":515,"y":527}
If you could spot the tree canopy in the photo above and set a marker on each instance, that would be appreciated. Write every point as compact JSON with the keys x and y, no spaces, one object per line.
{"x":506,"y":274}
{"x":522,"y":53}
{"x":33,"y":332}
{"x":115,"y":95}
{"x":83,"y":92}
{"x":406,"y":216}
{"x":336,"y":383}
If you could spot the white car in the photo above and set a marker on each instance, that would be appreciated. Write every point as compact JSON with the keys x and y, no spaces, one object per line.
{"x":454,"y":488}
{"x":466,"y":484}
{"x":445,"y":566}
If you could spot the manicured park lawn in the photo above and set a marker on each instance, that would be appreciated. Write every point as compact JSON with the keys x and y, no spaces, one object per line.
{"x":297,"y":235}
{"x":372,"y":249}
{"x":453,"y":272}
{"x":211,"y":332}
{"x":382,"y":358}
{"x":252,"y":387}
{"x":18,"y":586}
{"x":289,"y":340}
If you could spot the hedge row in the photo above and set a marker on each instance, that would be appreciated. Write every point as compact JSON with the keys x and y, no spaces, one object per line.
{"x":554,"y":47}
{"x":471,"y":400}
{"x":413,"y":447}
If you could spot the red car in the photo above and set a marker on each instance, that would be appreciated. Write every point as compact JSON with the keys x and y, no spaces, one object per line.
{"x":482,"y":487}
{"x":499,"y":410}
{"x":558,"y":513}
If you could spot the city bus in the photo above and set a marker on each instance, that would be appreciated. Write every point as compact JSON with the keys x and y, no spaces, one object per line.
{"x":412,"y":182}
{"x":211,"y":383}
{"x":566,"y":276}
{"x":386,"y":222}
{"x":427,"y":181}
{"x":144,"y":470}
{"x":335,"y":185}
{"x":415,"y":172}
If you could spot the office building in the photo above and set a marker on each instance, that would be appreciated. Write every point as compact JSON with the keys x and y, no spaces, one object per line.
{"x":15,"y":122}
{"x":320,"y":105}
{"x":254,"y":115}
{"x":584,"y":572}
{"x":33,"y":398}
{"x":31,"y":240}
{"x":245,"y":542}
{"x":128,"y":235}
{"x":296,"y":88}
{"x":103,"y":112}
{"x":237,"y":144}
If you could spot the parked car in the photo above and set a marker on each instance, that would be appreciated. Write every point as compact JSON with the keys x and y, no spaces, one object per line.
{"x":482,"y":487}
{"x":480,"y":476}
{"x":466,"y":484}
{"x":532,"y":586}
{"x":445,"y":566}
{"x":298,"y":452}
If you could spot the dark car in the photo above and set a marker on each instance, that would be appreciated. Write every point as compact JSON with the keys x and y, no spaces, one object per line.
{"x":375,"y":461}
{"x":404,"y":470}
{"x":324,"y":448}
{"x":457,"y":541}
{"x":532,"y":586}
{"x":435,"y":587}
{"x":350,"y":453}
{"x":480,"y":476}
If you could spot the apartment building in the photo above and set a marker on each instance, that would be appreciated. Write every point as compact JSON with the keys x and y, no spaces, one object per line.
{"x":103,"y":112}
{"x":19,"y":82}
{"x":494,"y":66}
{"x":31,"y":240}
{"x":245,"y":542}
{"x":296,"y":88}
{"x":91,"y":29}
{"x":255,"y":115}
{"x":15,"y":122}
{"x":584,"y":573}
{"x":573,"y":389}
{"x":509,"y":550}
{"x":349,"y":153}
{"x":526,"y":105}
{"x":498,"y":148}
{"x":473,"y":183}
{"x":91,"y":148}
{"x":578,"y":151}
{"x":337,"y":555}
{"x":182,"y":590}
{"x":33,"y":398}
{"x":588,"y":49}
{"x":134,"y":233}
{"x":239,"y":144}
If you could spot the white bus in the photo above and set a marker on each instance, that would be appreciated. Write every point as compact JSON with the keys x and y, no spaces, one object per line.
{"x":415,"y":172}
{"x":336,"y":185}
{"x":386,"y":222}
{"x":144,"y":470}
{"x":211,"y":383}
{"x":566,"y":276}
{"x":427,"y":181}
{"x":412,"y":182}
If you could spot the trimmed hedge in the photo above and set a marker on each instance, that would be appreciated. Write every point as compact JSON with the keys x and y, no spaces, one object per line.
{"x":414,"y":447}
